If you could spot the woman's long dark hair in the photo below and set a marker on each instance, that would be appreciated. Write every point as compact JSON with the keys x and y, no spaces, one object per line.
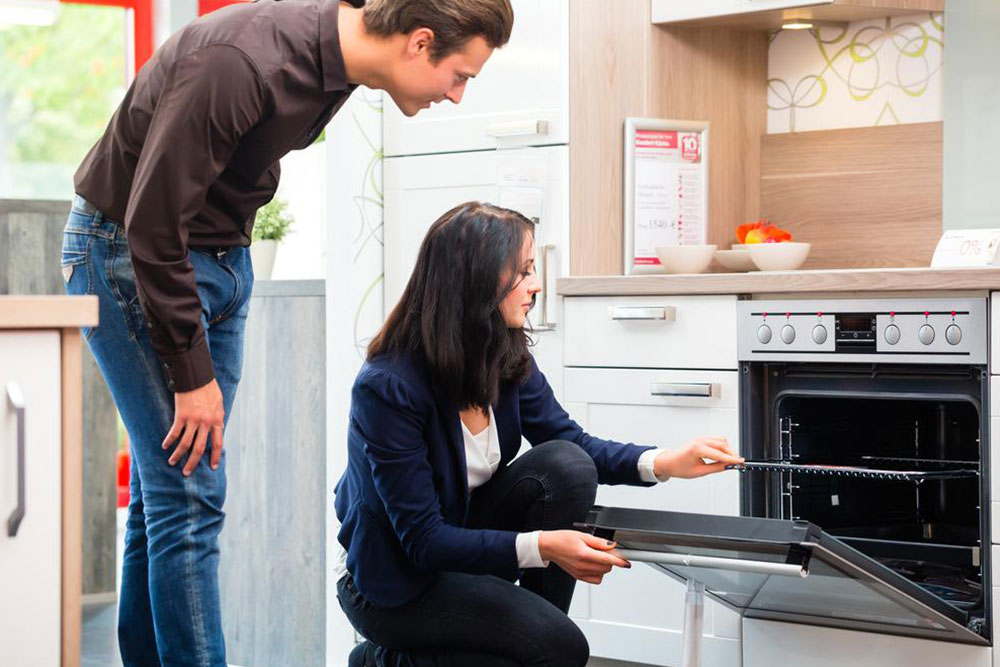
{"x":450,"y":309}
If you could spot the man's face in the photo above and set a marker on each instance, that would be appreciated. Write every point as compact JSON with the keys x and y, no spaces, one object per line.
{"x":418,"y":81}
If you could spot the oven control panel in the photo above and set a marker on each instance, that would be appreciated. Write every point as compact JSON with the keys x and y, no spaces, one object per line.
{"x":947,"y":331}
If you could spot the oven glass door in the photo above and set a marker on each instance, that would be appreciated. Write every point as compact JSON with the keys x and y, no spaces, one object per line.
{"x":781,"y":570}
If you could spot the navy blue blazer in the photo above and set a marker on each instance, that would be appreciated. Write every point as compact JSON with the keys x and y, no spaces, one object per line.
{"x":403,"y":500}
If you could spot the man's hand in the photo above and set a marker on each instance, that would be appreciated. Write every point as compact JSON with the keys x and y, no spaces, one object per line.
{"x":582,"y":555}
{"x":197,"y":414}
{"x":689,"y":461}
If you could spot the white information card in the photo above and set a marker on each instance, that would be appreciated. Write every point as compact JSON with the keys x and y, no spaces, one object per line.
{"x":967,"y":247}
{"x":666,"y":188}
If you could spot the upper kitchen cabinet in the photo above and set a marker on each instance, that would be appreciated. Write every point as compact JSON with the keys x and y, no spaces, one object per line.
{"x":773,"y":14}
{"x":521,"y":97}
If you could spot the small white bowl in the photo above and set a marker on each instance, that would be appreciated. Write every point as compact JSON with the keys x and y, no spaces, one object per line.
{"x":783,"y":256}
{"x":685,"y":258}
{"x":735,"y":260}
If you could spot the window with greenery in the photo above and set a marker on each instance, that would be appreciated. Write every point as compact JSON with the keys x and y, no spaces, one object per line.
{"x":59,"y":86}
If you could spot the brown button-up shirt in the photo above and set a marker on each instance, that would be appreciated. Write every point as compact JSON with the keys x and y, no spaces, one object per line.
{"x":192,"y":152}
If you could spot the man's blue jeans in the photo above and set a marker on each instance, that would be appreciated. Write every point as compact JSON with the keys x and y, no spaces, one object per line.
{"x":169,"y":606}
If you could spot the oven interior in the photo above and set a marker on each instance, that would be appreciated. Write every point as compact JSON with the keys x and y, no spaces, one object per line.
{"x":889,"y":460}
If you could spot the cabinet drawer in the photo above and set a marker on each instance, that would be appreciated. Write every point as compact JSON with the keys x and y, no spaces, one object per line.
{"x":651,"y":332}
{"x":641,"y":386}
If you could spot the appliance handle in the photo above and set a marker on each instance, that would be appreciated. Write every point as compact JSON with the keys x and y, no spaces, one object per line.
{"x":546,"y":324}
{"x":693,"y":389}
{"x":732,"y":564}
{"x":518,"y":128}
{"x":16,"y":398}
{"x":662,"y":313}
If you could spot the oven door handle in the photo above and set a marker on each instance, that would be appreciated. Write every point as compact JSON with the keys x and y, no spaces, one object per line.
{"x":714,"y":562}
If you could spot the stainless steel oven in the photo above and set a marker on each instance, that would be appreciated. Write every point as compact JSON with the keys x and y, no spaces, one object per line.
{"x":864,"y":499}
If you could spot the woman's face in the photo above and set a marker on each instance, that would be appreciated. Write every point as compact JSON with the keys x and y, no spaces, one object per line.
{"x":517,"y":303}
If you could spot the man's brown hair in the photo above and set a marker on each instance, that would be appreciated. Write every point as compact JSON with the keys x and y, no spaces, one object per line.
{"x":454,"y":22}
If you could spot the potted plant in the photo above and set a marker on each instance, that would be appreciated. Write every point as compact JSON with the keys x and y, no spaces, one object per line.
{"x":269,"y":227}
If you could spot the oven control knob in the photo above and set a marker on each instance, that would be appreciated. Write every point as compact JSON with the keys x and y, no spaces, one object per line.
{"x":953,"y":334}
{"x":819,"y":334}
{"x":764,"y":334}
{"x":926,"y":334}
{"x":788,"y":334}
{"x":892,"y":334}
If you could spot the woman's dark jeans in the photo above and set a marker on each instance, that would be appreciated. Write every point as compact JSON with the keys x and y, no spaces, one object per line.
{"x":483,"y":620}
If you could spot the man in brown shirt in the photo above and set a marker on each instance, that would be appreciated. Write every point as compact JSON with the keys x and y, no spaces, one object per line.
{"x":159,"y":229}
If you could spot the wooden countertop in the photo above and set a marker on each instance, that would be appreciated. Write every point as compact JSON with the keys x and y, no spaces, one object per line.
{"x":831,"y":280}
{"x":47,"y":312}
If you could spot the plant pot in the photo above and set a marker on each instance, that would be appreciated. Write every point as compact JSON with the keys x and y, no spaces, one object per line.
{"x":262,"y":257}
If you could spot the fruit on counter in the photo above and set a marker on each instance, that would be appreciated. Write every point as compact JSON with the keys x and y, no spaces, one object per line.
{"x":761,"y":231}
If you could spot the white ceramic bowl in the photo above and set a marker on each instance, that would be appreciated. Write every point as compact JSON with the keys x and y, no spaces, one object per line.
{"x":685,"y":258}
{"x":785,"y":256}
{"x":735,"y":260}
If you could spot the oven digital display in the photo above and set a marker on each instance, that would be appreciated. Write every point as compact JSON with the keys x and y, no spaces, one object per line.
{"x":847,"y":323}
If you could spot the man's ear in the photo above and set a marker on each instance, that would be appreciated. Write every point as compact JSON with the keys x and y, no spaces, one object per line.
{"x":419,"y":42}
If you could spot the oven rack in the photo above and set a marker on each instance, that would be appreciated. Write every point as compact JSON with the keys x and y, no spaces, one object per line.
{"x":862,"y":472}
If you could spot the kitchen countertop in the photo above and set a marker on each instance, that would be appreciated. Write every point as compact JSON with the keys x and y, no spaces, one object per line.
{"x":826,"y":280}
{"x":47,"y":312}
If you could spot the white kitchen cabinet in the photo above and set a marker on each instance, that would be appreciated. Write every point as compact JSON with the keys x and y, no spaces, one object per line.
{"x":30,"y":604}
{"x":769,"y":643}
{"x":637,"y":614}
{"x":419,"y":189}
{"x":520,"y":98}
{"x":668,"y":11}
{"x":40,"y":405}
{"x":651,"y":332}
{"x":995,"y":333}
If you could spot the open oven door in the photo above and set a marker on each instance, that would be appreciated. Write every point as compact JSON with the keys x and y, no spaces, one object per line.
{"x":781,"y":570}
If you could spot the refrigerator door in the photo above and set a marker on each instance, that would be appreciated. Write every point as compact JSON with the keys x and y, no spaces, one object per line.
{"x":533,"y":181}
{"x":783,"y":571}
{"x":520,"y":98}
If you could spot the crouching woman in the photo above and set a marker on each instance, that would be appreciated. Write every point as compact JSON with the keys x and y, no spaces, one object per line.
{"x":453,"y":551}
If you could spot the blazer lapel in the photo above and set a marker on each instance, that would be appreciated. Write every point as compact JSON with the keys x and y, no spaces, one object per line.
{"x":508,"y":418}
{"x":453,"y":427}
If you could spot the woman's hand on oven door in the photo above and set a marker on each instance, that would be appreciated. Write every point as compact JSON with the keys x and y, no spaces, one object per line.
{"x":701,"y":456}
{"x":584,"y":556}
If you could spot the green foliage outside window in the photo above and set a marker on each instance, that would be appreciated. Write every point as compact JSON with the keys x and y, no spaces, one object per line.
{"x":59,"y":86}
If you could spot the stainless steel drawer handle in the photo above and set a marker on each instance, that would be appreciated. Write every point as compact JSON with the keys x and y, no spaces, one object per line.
{"x":662,"y":313}
{"x":518,"y":128}
{"x":731,"y":564}
{"x":698,"y":389}
{"x":16,"y":399}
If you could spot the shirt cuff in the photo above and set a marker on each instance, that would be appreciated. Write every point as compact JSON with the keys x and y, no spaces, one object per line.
{"x":646,"y":472}
{"x":528,"y":554}
{"x":189,"y":370}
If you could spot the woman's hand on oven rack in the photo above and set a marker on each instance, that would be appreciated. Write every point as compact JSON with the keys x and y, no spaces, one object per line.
{"x":701,"y":456}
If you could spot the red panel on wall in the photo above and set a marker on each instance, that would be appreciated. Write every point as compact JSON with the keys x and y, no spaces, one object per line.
{"x":206,"y":6}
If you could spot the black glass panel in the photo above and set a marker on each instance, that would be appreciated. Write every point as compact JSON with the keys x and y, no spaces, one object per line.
{"x":844,"y":588}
